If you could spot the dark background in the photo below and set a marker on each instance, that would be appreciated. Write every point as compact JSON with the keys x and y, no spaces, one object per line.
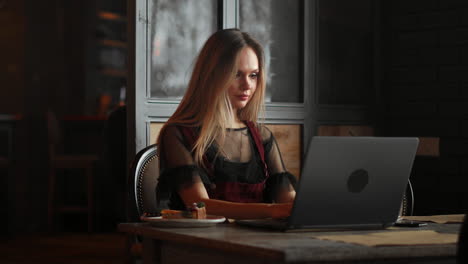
{"x":47,"y":62}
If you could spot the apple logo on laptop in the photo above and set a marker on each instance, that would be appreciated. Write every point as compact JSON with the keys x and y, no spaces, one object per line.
{"x":358,"y":180}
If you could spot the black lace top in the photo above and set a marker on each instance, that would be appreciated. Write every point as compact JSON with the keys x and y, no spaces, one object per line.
{"x":237,"y":161}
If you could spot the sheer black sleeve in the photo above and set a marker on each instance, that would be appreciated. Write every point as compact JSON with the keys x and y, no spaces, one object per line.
{"x":174,"y":150}
{"x":280,"y":179}
{"x":177,"y":169}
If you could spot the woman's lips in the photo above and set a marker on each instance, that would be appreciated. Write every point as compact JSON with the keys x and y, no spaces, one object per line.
{"x":243,"y":97}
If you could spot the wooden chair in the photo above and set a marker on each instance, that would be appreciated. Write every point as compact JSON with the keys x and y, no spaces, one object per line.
{"x":62,"y":162}
{"x":144,"y":174}
{"x":144,"y":178}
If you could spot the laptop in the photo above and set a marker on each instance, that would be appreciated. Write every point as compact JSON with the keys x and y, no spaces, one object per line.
{"x":349,"y":183}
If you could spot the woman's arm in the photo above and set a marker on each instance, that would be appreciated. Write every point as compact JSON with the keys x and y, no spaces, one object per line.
{"x":192,"y":189}
{"x":286,"y":195}
{"x":197,"y":193}
{"x":281,"y":179}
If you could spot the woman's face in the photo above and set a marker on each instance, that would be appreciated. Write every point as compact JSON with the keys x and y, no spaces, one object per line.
{"x":245,"y":83}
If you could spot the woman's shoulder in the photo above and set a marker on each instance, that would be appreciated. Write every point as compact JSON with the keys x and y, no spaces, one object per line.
{"x":265,"y":132}
{"x":176,"y":129}
{"x":172,"y":132}
{"x":181,"y":133}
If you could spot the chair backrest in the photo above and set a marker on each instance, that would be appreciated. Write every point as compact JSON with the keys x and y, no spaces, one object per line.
{"x":144,"y":176}
{"x":407,"y":204}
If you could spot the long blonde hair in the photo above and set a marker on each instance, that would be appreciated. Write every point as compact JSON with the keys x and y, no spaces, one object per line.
{"x":206,"y":104}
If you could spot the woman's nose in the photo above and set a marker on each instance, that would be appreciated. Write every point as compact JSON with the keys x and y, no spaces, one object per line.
{"x":246,"y":83}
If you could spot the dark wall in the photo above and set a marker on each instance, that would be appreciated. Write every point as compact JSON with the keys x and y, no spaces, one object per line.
{"x":42,"y":67}
{"x":44,"y":89}
{"x":42,"y":51}
{"x":426,"y":94}
{"x":12,"y":30}
{"x":47,"y":53}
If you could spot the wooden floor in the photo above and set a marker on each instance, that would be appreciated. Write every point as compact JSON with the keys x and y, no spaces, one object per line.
{"x":67,"y":248}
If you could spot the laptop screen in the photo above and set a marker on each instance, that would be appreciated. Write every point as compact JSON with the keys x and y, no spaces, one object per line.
{"x":353,"y":182}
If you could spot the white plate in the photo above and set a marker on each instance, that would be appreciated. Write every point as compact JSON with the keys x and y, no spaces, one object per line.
{"x":184,"y":222}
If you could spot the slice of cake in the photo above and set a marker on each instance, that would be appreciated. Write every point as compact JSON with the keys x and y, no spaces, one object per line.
{"x":196,"y":211}
{"x":171,"y":214}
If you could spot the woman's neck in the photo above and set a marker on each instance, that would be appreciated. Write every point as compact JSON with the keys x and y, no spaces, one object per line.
{"x":237,"y":124}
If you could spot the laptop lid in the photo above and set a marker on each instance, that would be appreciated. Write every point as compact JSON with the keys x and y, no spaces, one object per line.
{"x":352,"y":182}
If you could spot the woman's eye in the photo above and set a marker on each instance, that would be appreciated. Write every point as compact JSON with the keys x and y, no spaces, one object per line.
{"x":254,"y":75}
{"x":238,"y":75}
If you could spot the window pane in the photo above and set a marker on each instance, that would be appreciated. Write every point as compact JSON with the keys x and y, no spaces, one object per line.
{"x":277,"y":25}
{"x":179,"y":29}
{"x":345,"y":52}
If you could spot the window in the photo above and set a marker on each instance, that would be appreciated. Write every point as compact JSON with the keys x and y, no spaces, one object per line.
{"x":170,"y":33}
{"x":277,"y":25}
{"x":319,"y":55}
{"x":178,"y":30}
{"x":176,"y":40}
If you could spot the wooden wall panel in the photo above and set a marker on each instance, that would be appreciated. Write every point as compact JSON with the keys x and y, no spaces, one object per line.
{"x":341,"y":130}
{"x":429,"y":146}
{"x":154,"y":131}
{"x":288,"y":138}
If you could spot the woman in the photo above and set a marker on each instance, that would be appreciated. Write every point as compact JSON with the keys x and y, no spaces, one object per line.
{"x":212,"y":150}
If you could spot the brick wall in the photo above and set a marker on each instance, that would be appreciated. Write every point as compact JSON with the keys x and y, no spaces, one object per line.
{"x":426,"y":94}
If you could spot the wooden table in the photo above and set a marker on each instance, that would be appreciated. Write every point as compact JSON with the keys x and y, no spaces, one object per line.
{"x":230,"y":243}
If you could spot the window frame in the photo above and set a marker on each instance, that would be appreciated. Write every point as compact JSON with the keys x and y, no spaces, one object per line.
{"x":145,"y":109}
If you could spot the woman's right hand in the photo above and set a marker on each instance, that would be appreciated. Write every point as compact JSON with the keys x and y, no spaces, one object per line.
{"x":281,"y":210}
